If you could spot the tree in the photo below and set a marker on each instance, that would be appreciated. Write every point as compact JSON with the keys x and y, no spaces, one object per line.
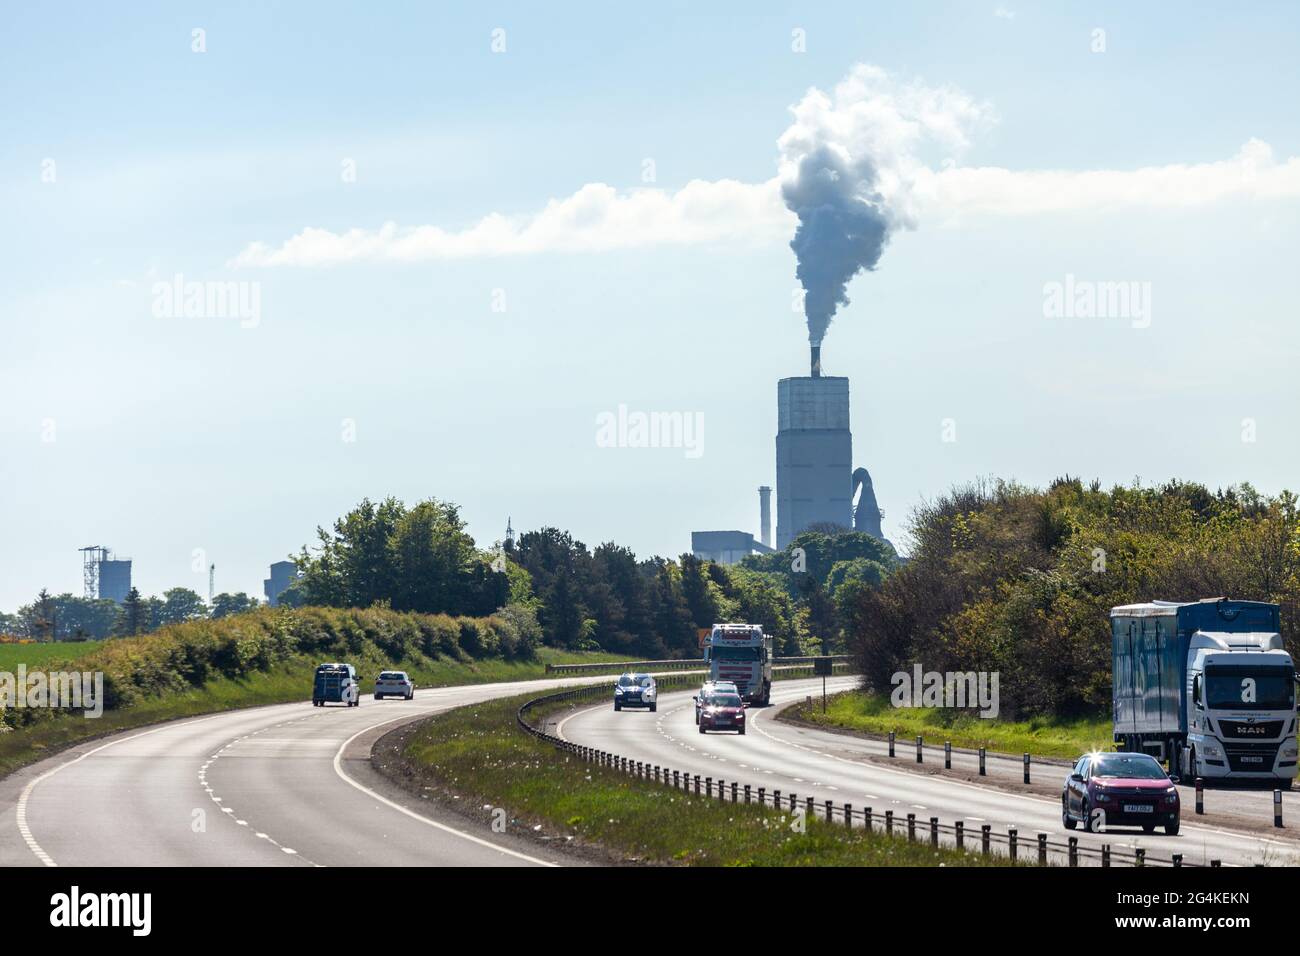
{"x":415,"y":559}
{"x":180,"y":605}
{"x":134,"y":617}
{"x":46,"y":616}
{"x":223,"y":605}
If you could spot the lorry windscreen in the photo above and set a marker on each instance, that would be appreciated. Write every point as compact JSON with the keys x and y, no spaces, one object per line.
{"x":1249,"y":688}
{"x":735,"y":653}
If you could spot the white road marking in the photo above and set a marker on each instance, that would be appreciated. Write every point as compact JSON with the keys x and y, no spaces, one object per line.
{"x":338,"y":769}
{"x":20,"y":811}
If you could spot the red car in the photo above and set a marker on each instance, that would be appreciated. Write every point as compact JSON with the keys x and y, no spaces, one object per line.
{"x":1119,"y":789}
{"x":722,"y":712}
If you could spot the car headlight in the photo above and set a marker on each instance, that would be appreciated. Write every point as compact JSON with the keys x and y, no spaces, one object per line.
{"x":1290,"y":751}
{"x":617,"y":691}
{"x":1102,"y":796}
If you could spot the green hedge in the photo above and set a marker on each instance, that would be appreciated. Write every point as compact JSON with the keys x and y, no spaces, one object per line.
{"x":180,"y":657}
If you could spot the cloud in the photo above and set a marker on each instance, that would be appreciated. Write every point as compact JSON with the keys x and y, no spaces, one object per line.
{"x":913,"y":136}
{"x":1252,"y":174}
{"x":596,"y":218}
{"x":1003,"y":13}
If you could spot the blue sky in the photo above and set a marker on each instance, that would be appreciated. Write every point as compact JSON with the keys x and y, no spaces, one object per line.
{"x":163,"y":436}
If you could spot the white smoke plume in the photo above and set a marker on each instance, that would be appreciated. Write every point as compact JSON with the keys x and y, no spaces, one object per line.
{"x":849,"y":165}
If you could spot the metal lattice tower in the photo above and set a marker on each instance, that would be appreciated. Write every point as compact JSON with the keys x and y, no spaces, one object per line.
{"x":212,"y":581}
{"x":92,"y":557}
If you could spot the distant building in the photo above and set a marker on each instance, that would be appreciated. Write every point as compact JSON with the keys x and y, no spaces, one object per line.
{"x":283,"y":574}
{"x":725,"y":547}
{"x":114,"y":580}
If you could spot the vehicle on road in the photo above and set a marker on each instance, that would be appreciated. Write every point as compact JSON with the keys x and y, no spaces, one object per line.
{"x":394,"y":684}
{"x":722,"y":711}
{"x":712,"y":687}
{"x":1119,"y":789}
{"x":636,"y":690}
{"x":1207,"y":687}
{"x":742,"y":654}
{"x":336,"y":684}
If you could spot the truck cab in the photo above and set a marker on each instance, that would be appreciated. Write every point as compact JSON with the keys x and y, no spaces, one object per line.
{"x":1241,"y":707}
{"x":742,"y":654}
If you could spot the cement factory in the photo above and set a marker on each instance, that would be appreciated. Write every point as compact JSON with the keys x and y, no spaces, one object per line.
{"x":816,"y":484}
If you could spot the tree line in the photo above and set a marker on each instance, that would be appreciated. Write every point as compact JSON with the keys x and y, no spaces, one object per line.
{"x":69,"y":617}
{"x":1021,"y":581}
{"x":421,"y":558}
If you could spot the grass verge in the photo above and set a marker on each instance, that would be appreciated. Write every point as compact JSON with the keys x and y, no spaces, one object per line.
{"x":475,"y":756}
{"x":1041,"y":736}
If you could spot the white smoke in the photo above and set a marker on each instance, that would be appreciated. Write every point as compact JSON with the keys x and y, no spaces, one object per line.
{"x":849,"y":166}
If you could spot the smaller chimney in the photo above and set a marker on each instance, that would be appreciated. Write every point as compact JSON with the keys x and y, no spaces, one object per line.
{"x":816,"y":361}
{"x":765,"y":515}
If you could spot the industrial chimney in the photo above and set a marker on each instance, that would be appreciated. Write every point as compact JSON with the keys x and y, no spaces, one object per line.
{"x":816,"y":361}
{"x":765,"y":516}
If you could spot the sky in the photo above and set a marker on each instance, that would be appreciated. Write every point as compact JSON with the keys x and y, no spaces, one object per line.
{"x":462,"y":234}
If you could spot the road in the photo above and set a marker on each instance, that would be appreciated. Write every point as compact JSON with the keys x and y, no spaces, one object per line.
{"x":846,"y":769}
{"x":286,"y":785}
{"x":291,"y":785}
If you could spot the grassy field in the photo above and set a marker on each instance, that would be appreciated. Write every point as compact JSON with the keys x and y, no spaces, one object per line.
{"x":33,"y":655}
{"x":873,"y":714}
{"x":284,"y":682}
{"x":478,"y":755}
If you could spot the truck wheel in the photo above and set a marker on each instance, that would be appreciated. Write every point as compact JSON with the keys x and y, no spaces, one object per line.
{"x":379,"y":697}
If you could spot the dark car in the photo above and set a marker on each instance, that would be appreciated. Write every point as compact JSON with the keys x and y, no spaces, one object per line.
{"x":722,"y":711}
{"x":1119,"y":789}
{"x":712,"y":687}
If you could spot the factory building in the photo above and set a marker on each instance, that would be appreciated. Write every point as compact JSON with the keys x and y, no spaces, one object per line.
{"x":814,"y":455}
{"x":114,"y":580}
{"x":816,"y":483}
{"x":725,"y":547}
{"x":283,"y":574}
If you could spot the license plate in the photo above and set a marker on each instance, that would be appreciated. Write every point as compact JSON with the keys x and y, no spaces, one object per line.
{"x":1252,"y":759}
{"x":1139,"y":808}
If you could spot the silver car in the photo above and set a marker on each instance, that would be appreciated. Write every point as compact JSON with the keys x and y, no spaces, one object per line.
{"x":394,"y":684}
{"x":636,"y":690}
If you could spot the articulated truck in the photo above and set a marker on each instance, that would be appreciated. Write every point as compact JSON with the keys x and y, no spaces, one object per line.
{"x":1207,"y":686}
{"x":741,"y":653}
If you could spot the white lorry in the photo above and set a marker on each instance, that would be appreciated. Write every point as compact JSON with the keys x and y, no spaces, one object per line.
{"x":742,"y":654}
{"x":1207,"y":686}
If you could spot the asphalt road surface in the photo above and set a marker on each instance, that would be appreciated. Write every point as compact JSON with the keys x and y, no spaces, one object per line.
{"x":291,"y":785}
{"x":286,"y":785}
{"x":845,"y":769}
